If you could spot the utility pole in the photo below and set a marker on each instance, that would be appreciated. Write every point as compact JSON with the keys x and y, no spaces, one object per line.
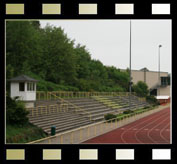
{"x":159,"y":69}
{"x":130,"y":89}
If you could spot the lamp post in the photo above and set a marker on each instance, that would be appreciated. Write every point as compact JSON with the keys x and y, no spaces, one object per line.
{"x":130,"y":89}
{"x":159,"y":68}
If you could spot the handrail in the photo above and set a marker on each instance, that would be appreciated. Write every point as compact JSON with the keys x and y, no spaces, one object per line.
{"x":73,"y":94}
{"x":76,"y":107}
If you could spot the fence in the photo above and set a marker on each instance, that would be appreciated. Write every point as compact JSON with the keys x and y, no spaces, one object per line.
{"x":41,"y":95}
{"x":72,"y":106}
{"x":66,"y":105}
{"x":82,"y":134}
{"x":63,"y":106}
{"x":44,"y":110}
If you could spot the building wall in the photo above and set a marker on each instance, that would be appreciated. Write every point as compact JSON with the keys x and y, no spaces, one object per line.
{"x":151,"y":79}
{"x":31,"y":95}
{"x":137,"y":76}
{"x":165,"y":91}
{"x":14,"y":91}
{"x":24,"y":95}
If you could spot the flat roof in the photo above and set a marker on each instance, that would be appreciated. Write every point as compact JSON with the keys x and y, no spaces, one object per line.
{"x":146,"y":71}
{"x":162,"y":97}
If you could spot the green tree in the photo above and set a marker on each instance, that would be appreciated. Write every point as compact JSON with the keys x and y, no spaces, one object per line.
{"x":59,"y":58}
{"x":16,"y":114}
{"x":50,"y":56}
{"x":141,"y":89}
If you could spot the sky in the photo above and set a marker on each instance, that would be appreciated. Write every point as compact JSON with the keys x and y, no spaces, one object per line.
{"x":109,"y":41}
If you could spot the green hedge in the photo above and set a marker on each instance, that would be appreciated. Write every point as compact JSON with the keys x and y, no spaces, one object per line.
{"x":110,"y":116}
{"x":127,"y":111}
{"x":152,"y":100}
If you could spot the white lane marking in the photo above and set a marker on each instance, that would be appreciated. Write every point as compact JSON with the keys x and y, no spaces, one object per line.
{"x":151,"y":118}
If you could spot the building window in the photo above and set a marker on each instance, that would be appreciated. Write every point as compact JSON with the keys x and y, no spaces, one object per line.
{"x":30,"y":86}
{"x":165,"y":81}
{"x":21,"y":86}
{"x":168,"y":80}
{"x":153,"y":92}
{"x":33,"y":86}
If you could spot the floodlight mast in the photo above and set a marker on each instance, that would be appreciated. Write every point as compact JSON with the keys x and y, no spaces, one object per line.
{"x":130,"y":89}
{"x":159,"y":68}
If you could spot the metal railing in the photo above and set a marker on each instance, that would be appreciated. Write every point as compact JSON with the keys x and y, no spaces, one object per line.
{"x":44,"y":110}
{"x":42,"y":95}
{"x":82,"y":134}
{"x":108,"y":102}
{"x":77,"y":109}
{"x":57,"y":95}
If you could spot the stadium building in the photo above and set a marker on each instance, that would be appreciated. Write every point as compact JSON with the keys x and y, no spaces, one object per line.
{"x":159,"y":88}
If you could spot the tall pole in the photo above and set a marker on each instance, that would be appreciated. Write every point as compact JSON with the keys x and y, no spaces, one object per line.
{"x":159,"y":68}
{"x":130,"y":71}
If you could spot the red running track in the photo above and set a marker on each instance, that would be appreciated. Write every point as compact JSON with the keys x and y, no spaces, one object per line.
{"x":152,"y":129}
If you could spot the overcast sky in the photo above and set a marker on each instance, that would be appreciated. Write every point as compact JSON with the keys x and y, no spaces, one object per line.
{"x":108,"y":41}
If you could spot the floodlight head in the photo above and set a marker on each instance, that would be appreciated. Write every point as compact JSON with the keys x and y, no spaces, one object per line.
{"x":160,"y":45}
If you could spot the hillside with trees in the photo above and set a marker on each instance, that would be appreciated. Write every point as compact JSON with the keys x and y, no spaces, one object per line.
{"x":50,"y":56}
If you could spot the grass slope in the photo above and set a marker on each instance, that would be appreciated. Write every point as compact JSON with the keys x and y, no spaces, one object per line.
{"x":23,"y":134}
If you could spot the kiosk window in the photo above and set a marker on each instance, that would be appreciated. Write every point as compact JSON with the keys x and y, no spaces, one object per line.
{"x":21,"y":86}
{"x":30,"y":87}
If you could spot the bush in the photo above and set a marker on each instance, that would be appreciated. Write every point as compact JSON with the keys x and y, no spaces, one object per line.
{"x":127,"y":111}
{"x":16,"y":112}
{"x":109,"y":116}
{"x":141,"y":89}
{"x":152,"y":100}
{"x":146,"y":107}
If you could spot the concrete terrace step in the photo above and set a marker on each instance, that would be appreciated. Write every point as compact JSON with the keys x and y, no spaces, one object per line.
{"x":102,"y":111}
{"x":87,"y":105}
{"x":53,"y":118}
{"x":97,"y":119}
{"x":102,"y":114}
{"x":44,"y":102}
{"x":80,"y":100}
{"x":132,"y":107}
{"x":95,"y":108}
{"x":61,"y":123}
{"x":53,"y":115}
{"x":67,"y":128}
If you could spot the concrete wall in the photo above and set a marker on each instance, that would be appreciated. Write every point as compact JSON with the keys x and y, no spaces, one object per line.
{"x":29,"y":104}
{"x":165,"y":91}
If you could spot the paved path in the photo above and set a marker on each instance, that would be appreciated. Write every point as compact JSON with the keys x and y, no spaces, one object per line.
{"x":153,"y":129}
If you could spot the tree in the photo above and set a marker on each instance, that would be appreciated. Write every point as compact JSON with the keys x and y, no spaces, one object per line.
{"x":141,"y":89}
{"x":16,"y":114}
{"x":48,"y":55}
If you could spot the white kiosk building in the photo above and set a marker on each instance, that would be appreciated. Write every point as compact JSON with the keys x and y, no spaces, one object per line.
{"x":25,"y":88}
